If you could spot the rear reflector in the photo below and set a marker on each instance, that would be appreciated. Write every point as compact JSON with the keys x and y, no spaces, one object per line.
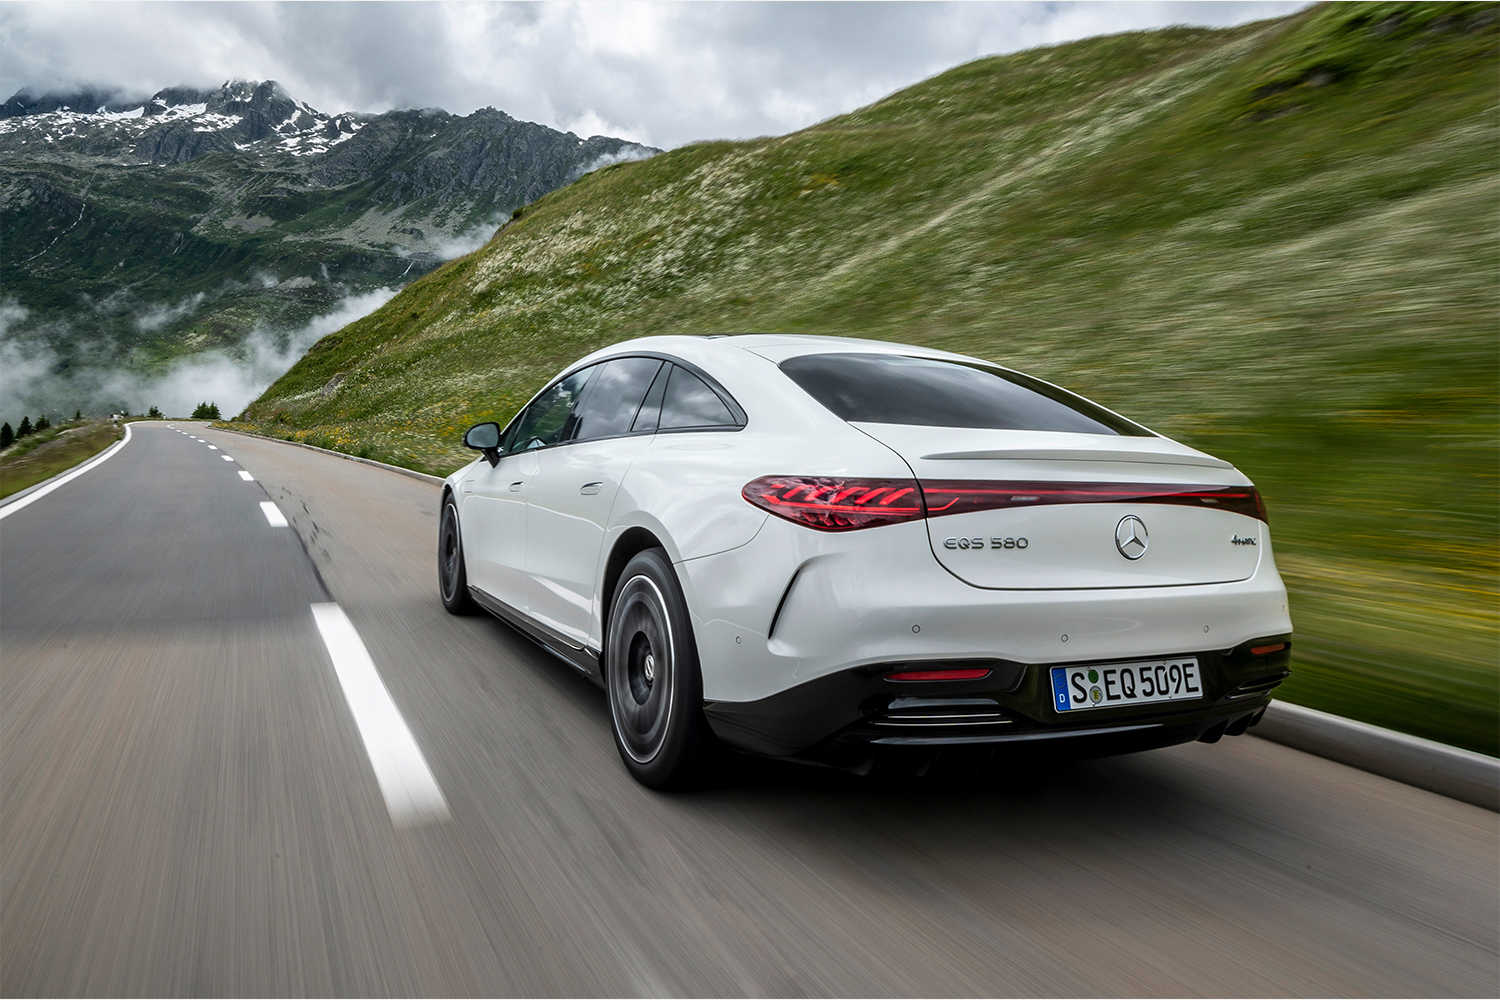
{"x":1275,"y":647}
{"x":970,"y":674}
{"x":964,"y":495}
{"x":831,"y":503}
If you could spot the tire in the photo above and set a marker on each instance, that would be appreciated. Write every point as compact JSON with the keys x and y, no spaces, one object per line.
{"x":653,"y":679}
{"x":453,"y":575}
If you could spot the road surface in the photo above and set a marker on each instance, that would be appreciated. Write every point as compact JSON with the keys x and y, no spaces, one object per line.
{"x":188,"y":805}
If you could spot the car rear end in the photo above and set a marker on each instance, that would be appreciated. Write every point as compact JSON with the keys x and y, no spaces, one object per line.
{"x":1067,"y":580}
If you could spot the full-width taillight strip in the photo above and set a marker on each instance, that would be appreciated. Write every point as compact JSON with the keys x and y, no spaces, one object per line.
{"x":831,"y":503}
{"x":960,"y":496}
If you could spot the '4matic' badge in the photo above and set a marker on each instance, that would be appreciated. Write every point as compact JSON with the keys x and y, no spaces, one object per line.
{"x":1239,"y":540}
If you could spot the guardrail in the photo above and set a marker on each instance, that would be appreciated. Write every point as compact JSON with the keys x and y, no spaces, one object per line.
{"x":1460,"y":774}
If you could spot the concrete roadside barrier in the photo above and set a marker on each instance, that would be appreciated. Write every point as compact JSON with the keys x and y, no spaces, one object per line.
{"x":409,"y":473}
{"x":1460,"y":774}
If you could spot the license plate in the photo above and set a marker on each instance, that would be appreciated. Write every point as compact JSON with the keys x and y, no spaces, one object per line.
{"x":1113,"y":685}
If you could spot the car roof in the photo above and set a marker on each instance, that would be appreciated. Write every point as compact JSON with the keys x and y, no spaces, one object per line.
{"x":774,"y":347}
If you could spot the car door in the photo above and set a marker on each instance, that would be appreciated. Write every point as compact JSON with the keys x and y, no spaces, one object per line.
{"x":494,"y":509}
{"x":571,"y":497}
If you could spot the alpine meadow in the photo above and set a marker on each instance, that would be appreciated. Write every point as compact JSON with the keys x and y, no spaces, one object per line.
{"x":1276,"y":242}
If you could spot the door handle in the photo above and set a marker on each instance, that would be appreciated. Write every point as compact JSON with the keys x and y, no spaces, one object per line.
{"x":516,"y":486}
{"x":589,"y":489}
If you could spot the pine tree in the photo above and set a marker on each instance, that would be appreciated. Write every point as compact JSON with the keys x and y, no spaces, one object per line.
{"x":77,"y":414}
{"x":25,"y":427}
{"x":153,"y":412}
{"x":42,"y":423}
{"x":7,"y":436}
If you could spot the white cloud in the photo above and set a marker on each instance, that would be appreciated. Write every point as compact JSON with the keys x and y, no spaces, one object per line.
{"x":658,"y":73}
{"x":156,"y":317}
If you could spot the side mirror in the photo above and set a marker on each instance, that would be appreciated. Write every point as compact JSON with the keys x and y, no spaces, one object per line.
{"x":486,"y":438}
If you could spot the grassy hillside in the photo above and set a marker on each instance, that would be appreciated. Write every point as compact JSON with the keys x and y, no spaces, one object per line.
{"x":1276,"y":242}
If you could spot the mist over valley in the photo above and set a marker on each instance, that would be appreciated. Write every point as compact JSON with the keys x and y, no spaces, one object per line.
{"x":200,"y":240}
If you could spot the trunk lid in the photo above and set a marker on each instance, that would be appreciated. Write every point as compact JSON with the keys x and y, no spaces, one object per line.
{"x":1045,"y":510}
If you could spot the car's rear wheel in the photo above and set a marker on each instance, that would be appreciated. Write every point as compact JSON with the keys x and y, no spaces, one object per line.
{"x":653,"y":678}
{"x":453,"y":577}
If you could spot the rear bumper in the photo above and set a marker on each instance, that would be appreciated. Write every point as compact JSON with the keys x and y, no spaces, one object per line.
{"x":795,"y":606}
{"x":846,"y":717}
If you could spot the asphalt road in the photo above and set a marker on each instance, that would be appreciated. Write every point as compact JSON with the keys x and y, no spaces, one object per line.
{"x":188,"y":805}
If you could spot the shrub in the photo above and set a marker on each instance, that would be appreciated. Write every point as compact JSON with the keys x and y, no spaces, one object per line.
{"x":206,"y":411}
{"x":153,"y":412}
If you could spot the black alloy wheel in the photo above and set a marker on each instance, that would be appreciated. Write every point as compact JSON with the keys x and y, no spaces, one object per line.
{"x":654,"y":683}
{"x":453,"y":576}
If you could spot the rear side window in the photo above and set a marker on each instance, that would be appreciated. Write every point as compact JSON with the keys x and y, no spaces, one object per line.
{"x":690,"y":403}
{"x":613,"y":398}
{"x":548,"y":419}
{"x":891,"y":389}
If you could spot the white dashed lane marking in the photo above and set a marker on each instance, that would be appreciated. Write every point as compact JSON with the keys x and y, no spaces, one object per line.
{"x":246,"y":476}
{"x":226,"y":458}
{"x":411,"y":792}
{"x":212,"y":448}
{"x":273,"y":514}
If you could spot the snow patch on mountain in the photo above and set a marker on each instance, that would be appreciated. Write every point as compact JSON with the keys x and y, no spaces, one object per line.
{"x":280,"y":124}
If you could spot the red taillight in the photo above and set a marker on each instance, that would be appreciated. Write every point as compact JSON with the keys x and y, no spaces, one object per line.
{"x":968,"y":674}
{"x":960,"y":496}
{"x":1263,"y":650}
{"x":830,"y":503}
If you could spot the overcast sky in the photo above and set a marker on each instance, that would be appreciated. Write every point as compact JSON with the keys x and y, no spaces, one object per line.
{"x":659,"y":73}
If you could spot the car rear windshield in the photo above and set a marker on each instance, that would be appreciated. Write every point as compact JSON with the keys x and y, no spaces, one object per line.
{"x":892,"y":389}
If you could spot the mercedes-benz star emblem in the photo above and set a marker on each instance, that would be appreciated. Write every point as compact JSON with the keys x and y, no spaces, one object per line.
{"x":1131,"y":538}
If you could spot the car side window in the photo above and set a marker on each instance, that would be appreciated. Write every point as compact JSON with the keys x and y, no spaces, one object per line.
{"x":549,"y":419}
{"x":614,"y":397}
{"x":650,"y":412}
{"x":690,"y":404}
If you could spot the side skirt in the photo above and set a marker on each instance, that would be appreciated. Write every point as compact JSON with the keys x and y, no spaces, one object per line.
{"x":580,"y":658}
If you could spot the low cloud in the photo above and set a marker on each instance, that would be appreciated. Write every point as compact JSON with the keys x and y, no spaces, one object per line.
{"x":156,"y":317}
{"x":466,"y":242}
{"x":32,"y":381}
{"x":625,"y":154}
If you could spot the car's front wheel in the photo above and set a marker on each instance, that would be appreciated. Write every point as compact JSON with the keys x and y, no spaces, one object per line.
{"x":652,"y":675}
{"x":453,"y":576}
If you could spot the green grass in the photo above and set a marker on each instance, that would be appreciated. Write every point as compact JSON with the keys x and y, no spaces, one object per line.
{"x":1276,"y":242}
{"x":40,"y":456}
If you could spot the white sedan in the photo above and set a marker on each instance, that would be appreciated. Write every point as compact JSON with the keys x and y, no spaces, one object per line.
{"x":833,"y":550}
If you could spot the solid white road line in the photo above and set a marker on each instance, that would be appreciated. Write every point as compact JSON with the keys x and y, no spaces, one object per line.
{"x":246,"y":476}
{"x":226,"y":458}
{"x":411,"y":792}
{"x":32,"y":498}
{"x":273,"y":514}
